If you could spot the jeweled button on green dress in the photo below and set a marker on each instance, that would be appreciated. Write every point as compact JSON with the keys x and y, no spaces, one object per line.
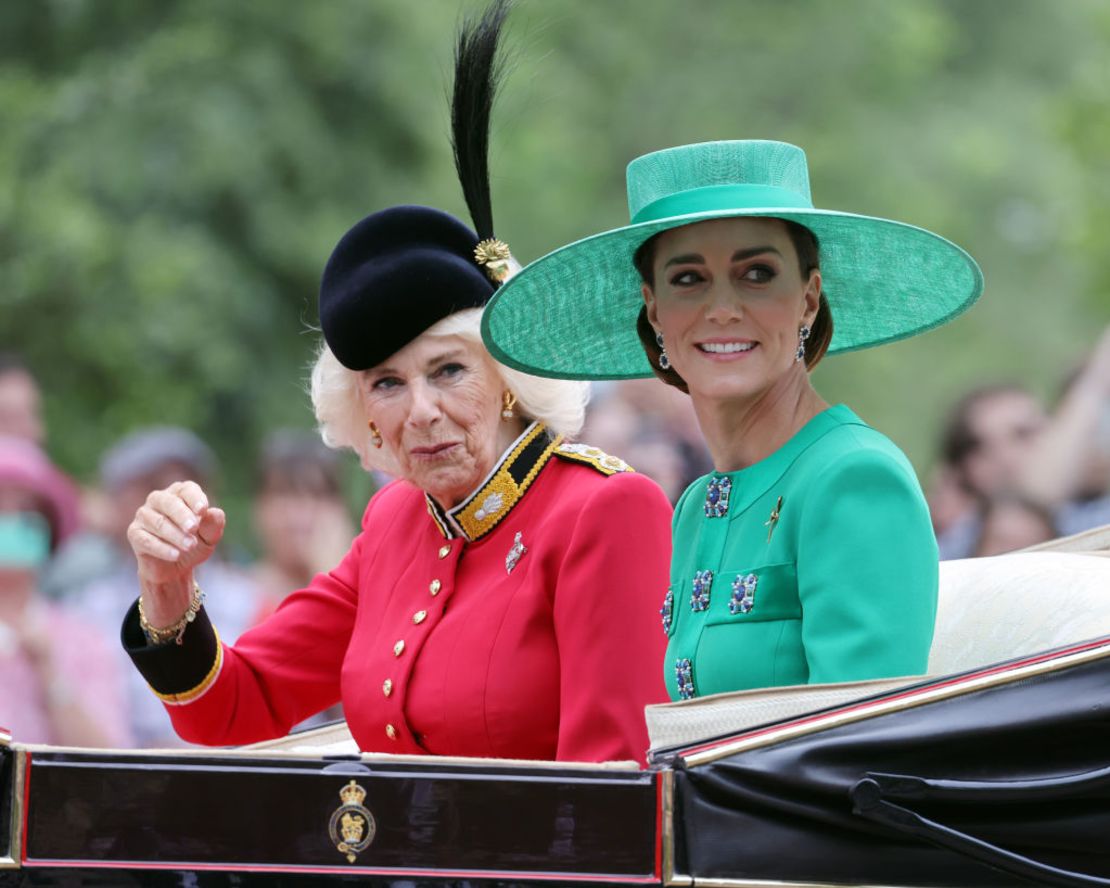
{"x":817,"y":564}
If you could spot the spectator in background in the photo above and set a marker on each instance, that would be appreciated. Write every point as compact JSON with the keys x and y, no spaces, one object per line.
{"x":82,"y":554}
{"x":20,"y":401}
{"x":300,"y":516}
{"x":1069,"y":467}
{"x":988,"y":440}
{"x":144,"y":460}
{"x":63,"y":680}
{"x":1025,"y":469}
{"x":1010,"y":521}
{"x":656,"y":431}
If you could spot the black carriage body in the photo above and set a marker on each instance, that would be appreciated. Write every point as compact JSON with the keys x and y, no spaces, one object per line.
{"x":124,"y":819}
{"x":967,"y":781}
{"x":997,"y":777}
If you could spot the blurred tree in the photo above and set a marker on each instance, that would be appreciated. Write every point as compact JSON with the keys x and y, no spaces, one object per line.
{"x":175,"y":175}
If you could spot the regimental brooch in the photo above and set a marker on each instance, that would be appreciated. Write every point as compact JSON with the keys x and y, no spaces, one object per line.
{"x":352,"y":826}
{"x":494,"y":256}
{"x":515,"y":553}
{"x":716,"y":497}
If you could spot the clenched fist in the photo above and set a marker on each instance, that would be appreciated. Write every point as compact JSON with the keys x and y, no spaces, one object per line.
{"x":173,"y":532}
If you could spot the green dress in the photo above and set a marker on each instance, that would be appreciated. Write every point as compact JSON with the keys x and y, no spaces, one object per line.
{"x":816,"y":564}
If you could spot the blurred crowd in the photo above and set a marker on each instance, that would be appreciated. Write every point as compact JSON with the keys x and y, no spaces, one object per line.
{"x":67,"y":574}
{"x":1010,"y":472}
{"x":1013,"y":472}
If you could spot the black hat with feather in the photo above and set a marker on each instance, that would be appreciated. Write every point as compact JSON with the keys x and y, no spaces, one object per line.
{"x":401,"y":270}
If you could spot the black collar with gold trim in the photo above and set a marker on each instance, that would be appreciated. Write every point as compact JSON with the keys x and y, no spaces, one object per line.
{"x":487,"y":506}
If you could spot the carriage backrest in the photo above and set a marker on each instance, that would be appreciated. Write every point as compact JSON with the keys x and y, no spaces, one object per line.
{"x":993,"y":609}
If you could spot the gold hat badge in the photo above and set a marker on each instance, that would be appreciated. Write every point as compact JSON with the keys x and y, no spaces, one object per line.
{"x":494,"y":256}
{"x":352,"y":826}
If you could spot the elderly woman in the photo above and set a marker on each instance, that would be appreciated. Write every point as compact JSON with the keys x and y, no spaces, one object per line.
{"x":498,"y":599}
{"x":808,"y":555}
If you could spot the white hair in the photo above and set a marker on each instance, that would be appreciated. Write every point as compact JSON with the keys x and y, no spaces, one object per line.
{"x":336,"y":398}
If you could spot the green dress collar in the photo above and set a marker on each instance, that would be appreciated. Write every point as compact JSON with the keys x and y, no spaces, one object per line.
{"x":745,"y":486}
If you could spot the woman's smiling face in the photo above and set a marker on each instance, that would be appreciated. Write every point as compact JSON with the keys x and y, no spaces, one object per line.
{"x":437,"y":405}
{"x":729,"y":297}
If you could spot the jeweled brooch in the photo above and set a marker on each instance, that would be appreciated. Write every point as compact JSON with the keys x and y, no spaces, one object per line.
{"x":667,"y":612}
{"x":684,"y":678}
{"x":703,"y":584}
{"x":772,"y":522}
{"x":743,"y":594}
{"x":716,"y":497}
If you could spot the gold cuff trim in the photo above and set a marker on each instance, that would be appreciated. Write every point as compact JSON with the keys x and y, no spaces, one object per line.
{"x":195,"y":693}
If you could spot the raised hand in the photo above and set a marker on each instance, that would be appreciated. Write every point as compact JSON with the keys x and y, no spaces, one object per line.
{"x":174,"y":531}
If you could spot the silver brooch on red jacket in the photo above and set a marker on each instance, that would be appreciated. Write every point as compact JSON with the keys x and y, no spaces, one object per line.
{"x":515,"y":553}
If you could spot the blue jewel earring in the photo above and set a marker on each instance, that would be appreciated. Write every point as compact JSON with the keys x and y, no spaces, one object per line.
{"x":664,"y":361}
{"x":803,"y":335}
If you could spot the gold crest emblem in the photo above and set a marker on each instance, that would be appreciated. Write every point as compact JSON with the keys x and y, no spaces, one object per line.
{"x":352,"y":826}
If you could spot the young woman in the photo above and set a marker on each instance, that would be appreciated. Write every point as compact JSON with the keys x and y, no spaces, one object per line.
{"x":808,"y":555}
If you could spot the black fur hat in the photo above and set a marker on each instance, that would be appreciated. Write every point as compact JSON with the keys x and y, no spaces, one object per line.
{"x":394,"y":275}
{"x":399,"y":271}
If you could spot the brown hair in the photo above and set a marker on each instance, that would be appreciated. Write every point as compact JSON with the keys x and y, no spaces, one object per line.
{"x":808,"y":250}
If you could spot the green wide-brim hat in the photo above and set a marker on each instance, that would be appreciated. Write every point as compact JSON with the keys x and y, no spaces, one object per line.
{"x":572,"y":313}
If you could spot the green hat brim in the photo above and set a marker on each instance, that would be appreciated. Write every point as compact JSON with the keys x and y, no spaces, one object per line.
{"x":572,"y":313}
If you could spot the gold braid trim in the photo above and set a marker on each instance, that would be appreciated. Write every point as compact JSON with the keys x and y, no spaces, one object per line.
{"x":498,"y":495}
{"x":593,"y":456}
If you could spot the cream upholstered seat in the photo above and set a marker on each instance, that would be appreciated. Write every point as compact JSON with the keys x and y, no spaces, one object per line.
{"x":989,"y":610}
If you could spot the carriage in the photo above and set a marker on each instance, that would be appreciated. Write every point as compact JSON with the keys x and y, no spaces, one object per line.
{"x":993,"y":769}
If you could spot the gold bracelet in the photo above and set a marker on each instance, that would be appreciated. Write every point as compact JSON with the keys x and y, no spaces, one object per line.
{"x":177,"y":630}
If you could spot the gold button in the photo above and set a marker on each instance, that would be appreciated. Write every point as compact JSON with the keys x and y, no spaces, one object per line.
{"x":435,"y":586}
{"x":399,"y":648}
{"x":387,"y":686}
{"x":391,"y":732}
{"x":419,"y":617}
{"x":444,"y":551}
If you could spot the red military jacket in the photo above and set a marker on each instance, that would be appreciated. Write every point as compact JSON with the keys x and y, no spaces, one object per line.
{"x":522,"y":623}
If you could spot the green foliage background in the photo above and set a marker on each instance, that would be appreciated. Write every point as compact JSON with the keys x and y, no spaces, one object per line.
{"x":176,"y":173}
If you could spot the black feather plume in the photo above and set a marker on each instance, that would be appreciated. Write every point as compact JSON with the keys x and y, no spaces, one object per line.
{"x":478,"y":73}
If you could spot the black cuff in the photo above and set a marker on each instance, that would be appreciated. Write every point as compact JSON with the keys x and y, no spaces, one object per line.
{"x":178,"y":673}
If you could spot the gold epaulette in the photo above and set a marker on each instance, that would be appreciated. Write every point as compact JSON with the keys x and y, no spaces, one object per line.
{"x":592,"y":456}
